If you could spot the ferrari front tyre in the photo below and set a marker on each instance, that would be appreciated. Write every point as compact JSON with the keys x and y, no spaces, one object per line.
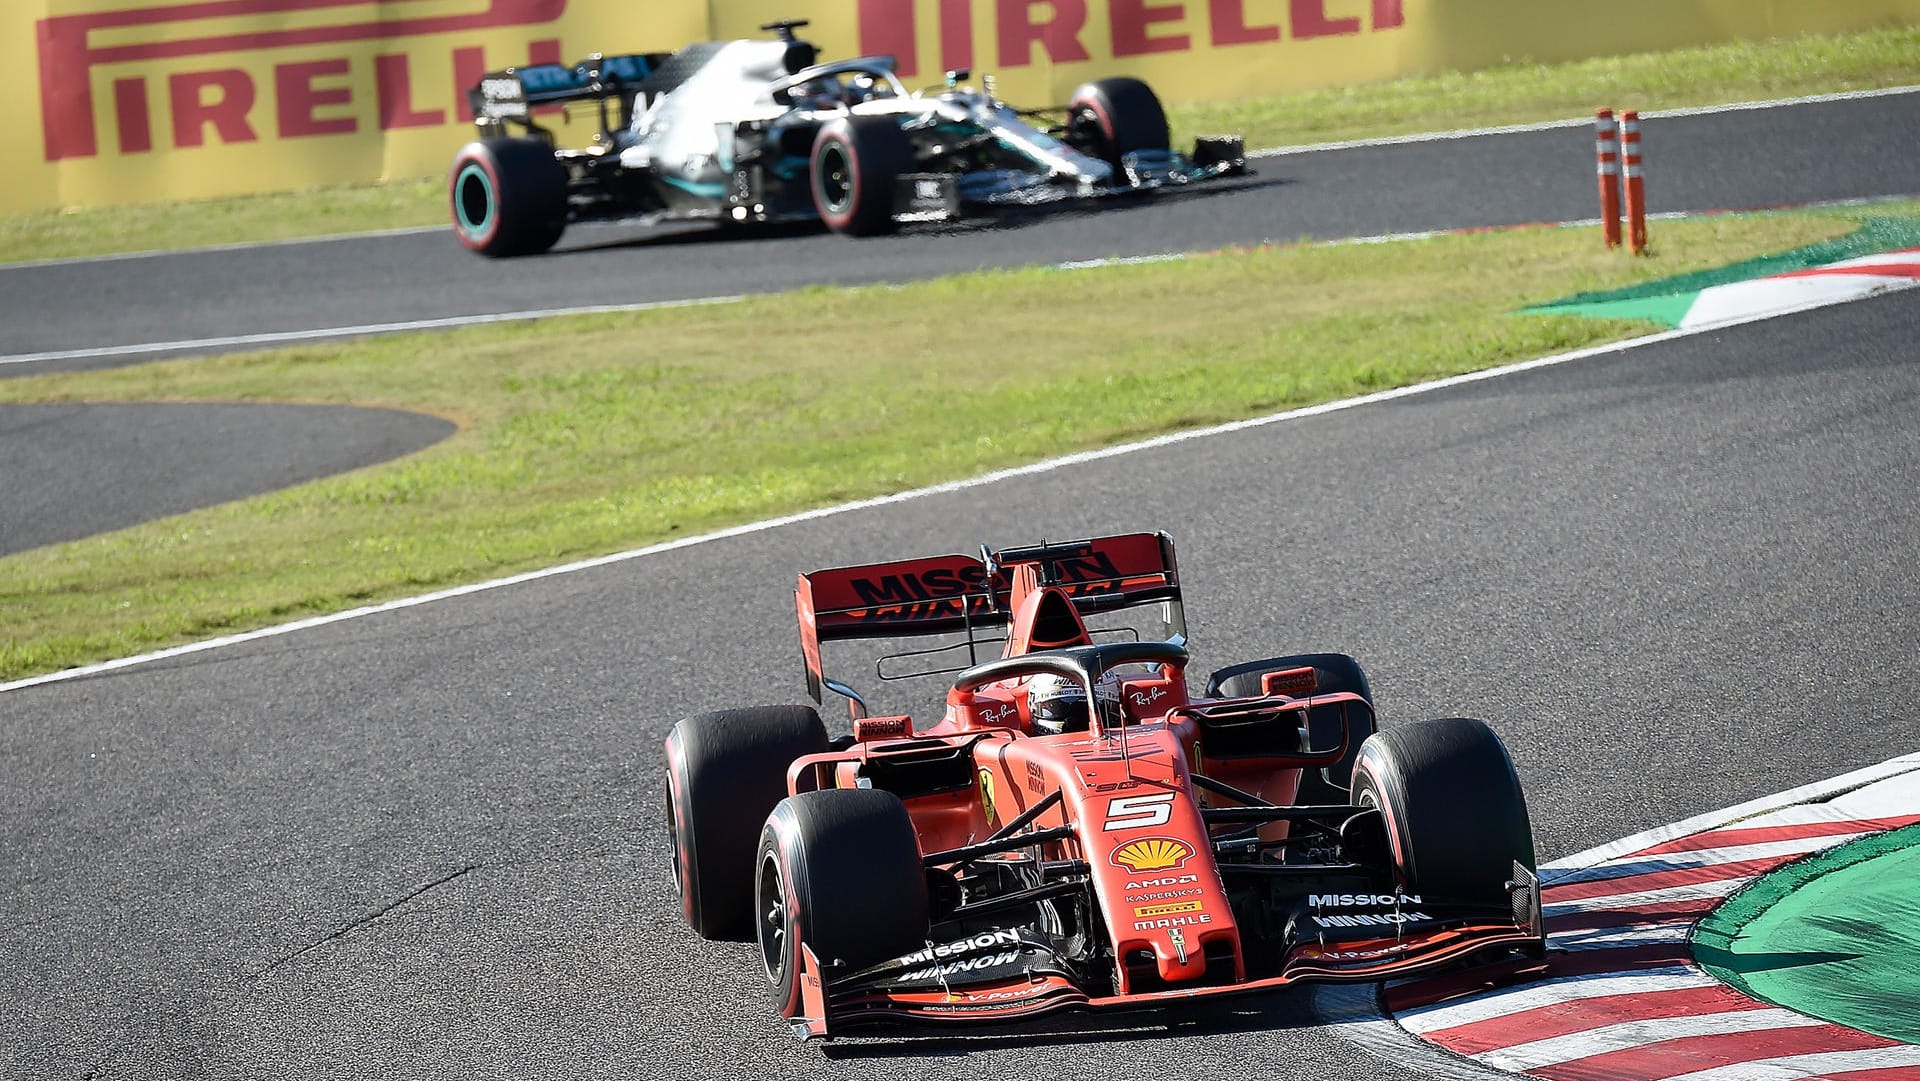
{"x":725,"y":772}
{"x":1456,"y":820}
{"x":508,"y":196}
{"x":1111,"y":118}
{"x":839,"y":871}
{"x":855,"y":166}
{"x":1326,"y":725}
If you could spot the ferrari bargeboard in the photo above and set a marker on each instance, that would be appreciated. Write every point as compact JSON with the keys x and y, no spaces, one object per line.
{"x":1076,"y":830}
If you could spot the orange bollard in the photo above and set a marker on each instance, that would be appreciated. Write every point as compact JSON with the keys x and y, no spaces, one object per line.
{"x":1607,"y":150}
{"x":1635,"y":183}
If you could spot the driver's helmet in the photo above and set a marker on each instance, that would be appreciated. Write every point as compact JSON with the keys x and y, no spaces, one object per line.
{"x":864,"y":87}
{"x":816,"y":94}
{"x":1058,"y":704}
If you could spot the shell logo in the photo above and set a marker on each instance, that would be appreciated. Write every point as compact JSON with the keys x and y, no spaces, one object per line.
{"x":1153,"y":854}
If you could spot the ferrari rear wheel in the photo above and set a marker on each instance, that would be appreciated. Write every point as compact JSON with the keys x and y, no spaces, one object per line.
{"x":1333,"y":673}
{"x":1111,"y":118}
{"x":508,"y":196}
{"x":725,"y":772}
{"x":1455,"y":816}
{"x":839,"y":871}
{"x":856,"y":163}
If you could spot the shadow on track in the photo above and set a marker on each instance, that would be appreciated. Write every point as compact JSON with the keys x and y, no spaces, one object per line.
{"x":1002,"y":219}
{"x":1254,"y":1013}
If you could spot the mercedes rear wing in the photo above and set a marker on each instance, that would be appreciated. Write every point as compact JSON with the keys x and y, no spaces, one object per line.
{"x":513,"y":93}
{"x":955,"y":593}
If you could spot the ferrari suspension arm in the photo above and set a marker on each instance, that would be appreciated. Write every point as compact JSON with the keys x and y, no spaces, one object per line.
{"x":996,"y":842}
{"x":1002,"y":844}
{"x":1016,"y":900}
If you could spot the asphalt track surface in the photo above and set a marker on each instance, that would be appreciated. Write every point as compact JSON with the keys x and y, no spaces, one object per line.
{"x":1832,"y":150}
{"x":77,"y":469}
{"x":427,"y":843}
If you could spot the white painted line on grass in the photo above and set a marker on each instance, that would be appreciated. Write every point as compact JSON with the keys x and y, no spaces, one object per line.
{"x":1033,"y":469}
{"x":282,"y":337}
{"x":214,"y":249}
{"x":1574,"y":122}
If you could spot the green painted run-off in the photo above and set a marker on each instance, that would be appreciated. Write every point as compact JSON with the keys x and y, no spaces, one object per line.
{"x":1835,"y":936}
{"x":1666,"y":301}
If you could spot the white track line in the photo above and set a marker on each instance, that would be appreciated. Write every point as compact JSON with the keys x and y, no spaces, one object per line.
{"x":1629,"y":1035}
{"x":1551,"y":992}
{"x":1575,"y":122}
{"x":1801,"y":1067}
{"x":1567,"y":868}
{"x":215,"y":249}
{"x":282,"y":337}
{"x":1047,"y":466}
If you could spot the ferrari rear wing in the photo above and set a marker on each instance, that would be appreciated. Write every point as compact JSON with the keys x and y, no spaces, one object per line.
{"x":956,"y":593}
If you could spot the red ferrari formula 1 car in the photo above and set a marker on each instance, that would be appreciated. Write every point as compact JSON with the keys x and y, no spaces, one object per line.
{"x":1078,"y":830}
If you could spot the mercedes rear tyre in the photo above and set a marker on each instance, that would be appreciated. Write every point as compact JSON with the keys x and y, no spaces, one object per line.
{"x":855,"y":167}
{"x":508,"y":196}
{"x":1111,"y":118}
{"x":725,"y":772}
{"x":1326,"y":725}
{"x":1456,"y":820}
{"x":839,"y":872}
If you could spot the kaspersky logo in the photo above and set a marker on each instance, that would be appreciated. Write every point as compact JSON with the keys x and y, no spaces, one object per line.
{"x":220,"y":98}
{"x":1153,"y":854}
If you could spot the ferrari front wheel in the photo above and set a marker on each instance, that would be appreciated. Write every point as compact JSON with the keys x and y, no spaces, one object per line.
{"x":725,"y":772}
{"x":838,"y":872}
{"x":1455,"y":817}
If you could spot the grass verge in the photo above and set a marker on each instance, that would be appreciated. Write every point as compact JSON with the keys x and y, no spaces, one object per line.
{"x":584,"y":435}
{"x":1507,"y":95}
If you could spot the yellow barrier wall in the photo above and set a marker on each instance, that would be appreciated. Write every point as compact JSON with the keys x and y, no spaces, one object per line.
{"x":148,"y":102}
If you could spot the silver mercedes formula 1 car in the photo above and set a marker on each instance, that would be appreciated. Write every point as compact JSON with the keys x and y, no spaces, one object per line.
{"x":738,"y":132}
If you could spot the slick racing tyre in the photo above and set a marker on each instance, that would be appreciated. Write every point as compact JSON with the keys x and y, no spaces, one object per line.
{"x":1333,"y":672}
{"x":1455,"y":818}
{"x":1110,"y":118}
{"x":856,"y":164}
{"x":839,"y":871}
{"x":508,"y":196}
{"x":725,"y":772}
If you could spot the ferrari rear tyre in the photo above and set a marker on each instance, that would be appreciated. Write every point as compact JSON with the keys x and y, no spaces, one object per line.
{"x":856,"y":164}
{"x":725,"y":772}
{"x":1456,"y":820}
{"x":1333,"y":672}
{"x":839,"y":871}
{"x":1111,"y":118}
{"x":508,"y":196}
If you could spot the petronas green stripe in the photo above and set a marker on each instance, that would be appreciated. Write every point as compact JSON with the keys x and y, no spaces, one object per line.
{"x":1874,"y":236}
{"x":1834,"y":936}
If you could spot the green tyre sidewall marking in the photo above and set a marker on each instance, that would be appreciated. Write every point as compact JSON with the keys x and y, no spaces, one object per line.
{"x":1834,"y":936}
{"x":474,"y":229}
